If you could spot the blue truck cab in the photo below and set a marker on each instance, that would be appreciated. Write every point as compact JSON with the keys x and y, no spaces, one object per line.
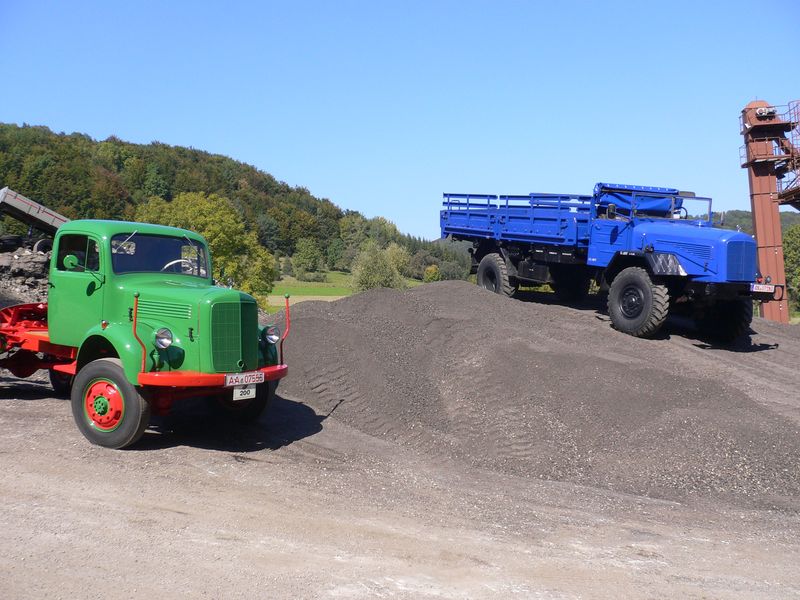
{"x":654,"y":250}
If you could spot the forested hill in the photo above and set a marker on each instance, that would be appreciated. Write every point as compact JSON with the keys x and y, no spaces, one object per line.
{"x":743,"y":220}
{"x":84,"y":178}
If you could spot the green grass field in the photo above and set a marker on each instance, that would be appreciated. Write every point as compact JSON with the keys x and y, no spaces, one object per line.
{"x":337,"y":286}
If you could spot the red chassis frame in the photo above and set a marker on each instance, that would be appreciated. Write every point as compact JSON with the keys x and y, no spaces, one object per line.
{"x":24,"y":327}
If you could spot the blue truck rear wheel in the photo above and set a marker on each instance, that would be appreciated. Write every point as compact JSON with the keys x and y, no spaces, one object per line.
{"x":493,"y":275}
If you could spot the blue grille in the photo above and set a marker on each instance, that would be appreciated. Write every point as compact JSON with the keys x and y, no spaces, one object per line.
{"x":700,"y":251}
{"x":741,"y":261}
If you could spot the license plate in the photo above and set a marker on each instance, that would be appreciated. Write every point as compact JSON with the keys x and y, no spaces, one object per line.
{"x":762,"y":287}
{"x":251,"y":377}
{"x":244,"y":392}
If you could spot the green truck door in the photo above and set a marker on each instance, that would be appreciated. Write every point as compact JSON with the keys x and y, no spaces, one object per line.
{"x":75,"y":299}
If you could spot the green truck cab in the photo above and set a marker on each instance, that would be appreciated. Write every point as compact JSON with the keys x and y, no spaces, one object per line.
{"x":134,"y":322}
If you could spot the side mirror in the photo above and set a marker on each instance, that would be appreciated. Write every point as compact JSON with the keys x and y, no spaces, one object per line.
{"x":70,"y":262}
{"x":611,"y":211}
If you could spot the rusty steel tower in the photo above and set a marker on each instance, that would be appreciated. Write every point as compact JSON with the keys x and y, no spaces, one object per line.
{"x":771,"y":155}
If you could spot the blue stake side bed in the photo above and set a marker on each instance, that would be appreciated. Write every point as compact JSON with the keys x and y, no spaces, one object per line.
{"x":537,"y":218}
{"x":640,"y":243}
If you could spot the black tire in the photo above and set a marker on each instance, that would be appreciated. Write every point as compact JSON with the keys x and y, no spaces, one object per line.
{"x":43,"y":245}
{"x":247,"y":411}
{"x":62,"y":383}
{"x":10,"y":242}
{"x":727,"y":320}
{"x":116,"y":421}
{"x":570,"y":283}
{"x":637,"y":306}
{"x":493,"y":275}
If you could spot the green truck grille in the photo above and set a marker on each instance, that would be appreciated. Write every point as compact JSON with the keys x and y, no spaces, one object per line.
{"x":157,"y":308}
{"x":234,"y":337}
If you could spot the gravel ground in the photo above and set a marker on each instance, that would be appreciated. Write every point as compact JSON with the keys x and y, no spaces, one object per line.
{"x":529,"y":389}
{"x":442,"y":442}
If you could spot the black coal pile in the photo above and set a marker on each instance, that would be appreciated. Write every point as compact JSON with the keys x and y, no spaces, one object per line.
{"x":537,"y":390}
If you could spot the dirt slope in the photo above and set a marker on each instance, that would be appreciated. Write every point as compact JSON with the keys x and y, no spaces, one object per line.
{"x":549,"y":392}
{"x":438,"y":443}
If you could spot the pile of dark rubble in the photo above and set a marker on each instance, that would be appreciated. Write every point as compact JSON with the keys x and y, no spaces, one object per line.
{"x":536,"y":390}
{"x":23,"y":274}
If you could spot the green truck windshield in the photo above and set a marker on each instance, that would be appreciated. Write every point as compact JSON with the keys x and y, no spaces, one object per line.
{"x":146,"y":253}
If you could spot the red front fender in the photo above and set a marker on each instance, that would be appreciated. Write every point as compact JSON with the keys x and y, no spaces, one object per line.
{"x":185,"y":379}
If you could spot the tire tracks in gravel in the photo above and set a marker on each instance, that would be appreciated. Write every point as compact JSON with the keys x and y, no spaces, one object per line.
{"x":552,"y":392}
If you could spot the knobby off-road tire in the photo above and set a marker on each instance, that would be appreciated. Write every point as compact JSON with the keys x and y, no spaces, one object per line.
{"x":107,"y":408}
{"x":570,"y":283}
{"x":246,"y":411}
{"x":493,"y":275}
{"x":727,"y":320}
{"x":61,"y":383}
{"x":637,"y":306}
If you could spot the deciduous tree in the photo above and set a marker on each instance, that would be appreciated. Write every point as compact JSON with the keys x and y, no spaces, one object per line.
{"x":235,"y":252}
{"x":372,"y":268}
{"x":791,"y":255}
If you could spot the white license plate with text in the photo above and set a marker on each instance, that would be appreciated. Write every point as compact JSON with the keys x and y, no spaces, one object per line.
{"x":762,"y":287}
{"x":244,"y":392}
{"x":249,"y":378}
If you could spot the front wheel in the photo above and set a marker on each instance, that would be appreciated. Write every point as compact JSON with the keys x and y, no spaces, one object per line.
{"x":107,"y":408}
{"x":727,"y":320}
{"x":637,"y":306}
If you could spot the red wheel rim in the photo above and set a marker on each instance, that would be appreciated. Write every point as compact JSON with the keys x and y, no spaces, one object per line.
{"x":104,"y":405}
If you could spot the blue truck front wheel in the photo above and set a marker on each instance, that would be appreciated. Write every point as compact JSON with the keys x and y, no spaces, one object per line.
{"x":637,"y":306}
{"x":726,"y":320}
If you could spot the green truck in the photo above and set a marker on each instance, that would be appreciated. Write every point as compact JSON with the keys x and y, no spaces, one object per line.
{"x":135,"y":322}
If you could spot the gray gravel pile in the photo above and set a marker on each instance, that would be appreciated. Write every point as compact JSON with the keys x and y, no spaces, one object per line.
{"x":23,"y":274}
{"x":537,"y":390}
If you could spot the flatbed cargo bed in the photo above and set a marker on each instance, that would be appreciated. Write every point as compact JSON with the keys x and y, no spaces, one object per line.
{"x":561,"y":220}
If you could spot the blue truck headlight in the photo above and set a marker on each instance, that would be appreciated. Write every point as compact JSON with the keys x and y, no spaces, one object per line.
{"x":163,"y":338}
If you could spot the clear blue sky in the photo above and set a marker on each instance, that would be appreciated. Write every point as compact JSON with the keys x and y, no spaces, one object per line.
{"x":383,"y":105}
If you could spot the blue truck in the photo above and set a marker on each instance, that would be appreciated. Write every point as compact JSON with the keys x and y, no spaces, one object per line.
{"x":654,"y":250}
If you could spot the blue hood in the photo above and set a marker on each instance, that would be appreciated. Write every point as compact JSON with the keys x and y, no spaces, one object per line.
{"x":705,"y":252}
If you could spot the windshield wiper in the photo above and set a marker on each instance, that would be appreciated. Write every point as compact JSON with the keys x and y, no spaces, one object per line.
{"x":196,"y":255}
{"x":127,"y":239}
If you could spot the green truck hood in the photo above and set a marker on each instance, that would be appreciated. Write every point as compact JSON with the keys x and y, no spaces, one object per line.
{"x":186,"y":308}
{"x":177,"y":292}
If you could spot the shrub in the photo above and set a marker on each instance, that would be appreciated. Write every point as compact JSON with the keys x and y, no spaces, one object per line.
{"x":432,"y":274}
{"x":373,"y":268}
{"x":313,"y":277}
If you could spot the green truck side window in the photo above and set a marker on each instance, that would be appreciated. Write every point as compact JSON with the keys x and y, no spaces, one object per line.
{"x":83,"y":248}
{"x":92,"y":256}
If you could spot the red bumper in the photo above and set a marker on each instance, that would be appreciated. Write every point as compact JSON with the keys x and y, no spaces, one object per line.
{"x":185,"y":379}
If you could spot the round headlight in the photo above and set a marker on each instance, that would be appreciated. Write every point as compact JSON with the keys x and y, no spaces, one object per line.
{"x":271,"y":334}
{"x":163,"y":338}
